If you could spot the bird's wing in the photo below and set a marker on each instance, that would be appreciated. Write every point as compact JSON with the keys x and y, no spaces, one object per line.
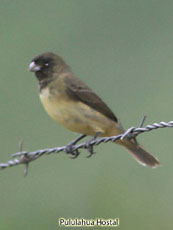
{"x":78,"y":90}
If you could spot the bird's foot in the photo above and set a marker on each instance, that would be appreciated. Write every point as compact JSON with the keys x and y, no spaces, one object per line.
{"x":89,"y":145}
{"x":70,"y":147}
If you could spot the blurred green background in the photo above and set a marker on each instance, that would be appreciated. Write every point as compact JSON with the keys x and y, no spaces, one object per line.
{"x":124,"y":50}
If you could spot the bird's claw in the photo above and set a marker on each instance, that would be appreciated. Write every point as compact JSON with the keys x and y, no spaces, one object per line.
{"x":70,"y":150}
{"x":75,"y":154}
{"x":70,"y":147}
{"x":89,"y":145}
{"x":90,"y":148}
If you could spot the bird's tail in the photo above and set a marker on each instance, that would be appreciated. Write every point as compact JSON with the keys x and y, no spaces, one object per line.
{"x":139,"y":153}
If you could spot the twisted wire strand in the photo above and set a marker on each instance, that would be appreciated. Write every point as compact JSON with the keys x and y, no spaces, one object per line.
{"x":24,"y":157}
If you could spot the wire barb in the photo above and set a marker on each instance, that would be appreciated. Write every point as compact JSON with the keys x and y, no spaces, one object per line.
{"x":24,"y":157}
{"x":142,"y":121}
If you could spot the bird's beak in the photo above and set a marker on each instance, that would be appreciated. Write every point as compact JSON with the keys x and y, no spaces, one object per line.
{"x":33,"y":67}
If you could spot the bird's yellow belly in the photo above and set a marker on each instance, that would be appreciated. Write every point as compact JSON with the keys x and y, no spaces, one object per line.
{"x":78,"y":117}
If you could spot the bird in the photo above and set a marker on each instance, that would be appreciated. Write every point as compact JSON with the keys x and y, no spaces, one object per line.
{"x":74,"y":105}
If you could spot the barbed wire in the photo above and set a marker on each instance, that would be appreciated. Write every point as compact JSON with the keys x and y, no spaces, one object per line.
{"x":25,"y":157}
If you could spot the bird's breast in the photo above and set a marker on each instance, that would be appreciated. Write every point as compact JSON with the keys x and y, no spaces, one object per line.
{"x":55,"y":103}
{"x":75,"y":115}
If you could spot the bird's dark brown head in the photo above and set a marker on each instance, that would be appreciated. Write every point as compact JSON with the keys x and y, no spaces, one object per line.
{"x":46,"y":65}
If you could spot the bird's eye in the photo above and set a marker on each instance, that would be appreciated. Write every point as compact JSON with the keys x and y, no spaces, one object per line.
{"x":46,"y":63}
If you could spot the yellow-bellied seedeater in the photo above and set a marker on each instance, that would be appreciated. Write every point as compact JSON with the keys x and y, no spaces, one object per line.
{"x":75,"y":106}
